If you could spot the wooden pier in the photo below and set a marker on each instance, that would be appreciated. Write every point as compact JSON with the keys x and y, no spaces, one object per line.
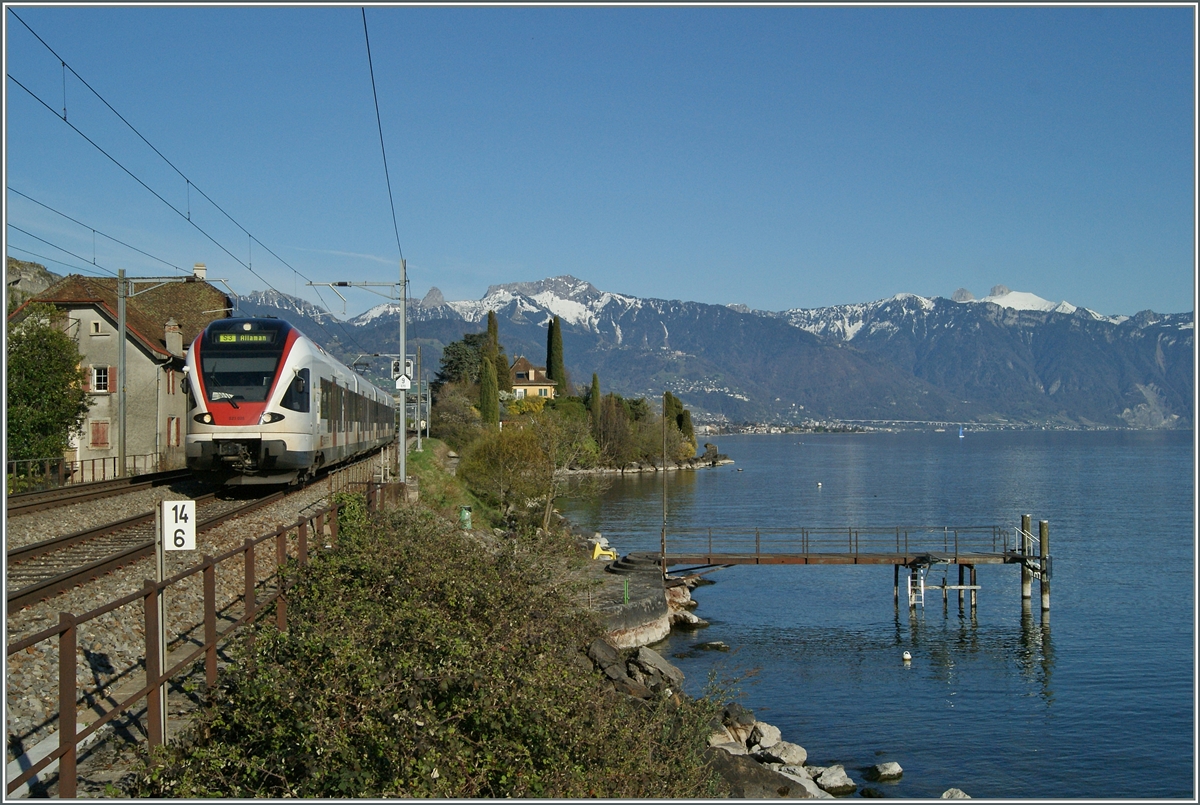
{"x":917,"y":549}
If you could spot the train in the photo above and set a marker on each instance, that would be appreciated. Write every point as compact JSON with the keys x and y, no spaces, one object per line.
{"x":268,"y":405}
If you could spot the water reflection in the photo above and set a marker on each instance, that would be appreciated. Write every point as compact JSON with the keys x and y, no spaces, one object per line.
{"x":1036,"y":656}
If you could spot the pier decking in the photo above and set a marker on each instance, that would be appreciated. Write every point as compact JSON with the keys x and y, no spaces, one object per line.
{"x":914,"y":547}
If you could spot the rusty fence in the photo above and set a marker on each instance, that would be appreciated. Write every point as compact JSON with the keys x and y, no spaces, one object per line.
{"x":48,"y":473}
{"x":291,"y":542}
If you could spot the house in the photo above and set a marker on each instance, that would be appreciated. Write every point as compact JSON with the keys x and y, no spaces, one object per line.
{"x":529,"y":380}
{"x":161,"y":322}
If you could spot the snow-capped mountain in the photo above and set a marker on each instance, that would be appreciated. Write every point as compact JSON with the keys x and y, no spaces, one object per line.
{"x":1008,"y":357}
{"x":259,"y":301}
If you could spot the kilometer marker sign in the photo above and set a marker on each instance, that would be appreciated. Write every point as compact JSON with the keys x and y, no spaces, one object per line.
{"x":179,"y":525}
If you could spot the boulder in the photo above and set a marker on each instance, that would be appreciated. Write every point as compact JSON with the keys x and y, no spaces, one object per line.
{"x":738,"y":720}
{"x":794,"y":769}
{"x":687,"y":620}
{"x":835,"y":781}
{"x":806,"y":782}
{"x":784,"y":752}
{"x":732,"y":747}
{"x":603,"y":653}
{"x":652,"y":662}
{"x":764,"y":735}
{"x":748,"y":779}
{"x":635,"y":673}
{"x":955,"y":793}
{"x":720,"y":735}
{"x":884,"y":771}
{"x":713,"y":645}
{"x":632,"y":688}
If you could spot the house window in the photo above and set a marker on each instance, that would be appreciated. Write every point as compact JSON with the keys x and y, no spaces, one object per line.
{"x":96,"y":328}
{"x":173,"y":431}
{"x":100,"y":379}
{"x":99,"y":433}
{"x":170,"y":381}
{"x":521,"y":376}
{"x":541,"y":392}
{"x":520,"y":394}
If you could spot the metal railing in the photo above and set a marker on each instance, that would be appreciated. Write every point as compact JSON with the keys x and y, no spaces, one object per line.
{"x":35,"y":475}
{"x":902,"y":540}
{"x":291,"y":542}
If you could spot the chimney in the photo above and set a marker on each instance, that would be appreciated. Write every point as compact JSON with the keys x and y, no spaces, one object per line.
{"x":199,"y":270}
{"x":173,"y":337}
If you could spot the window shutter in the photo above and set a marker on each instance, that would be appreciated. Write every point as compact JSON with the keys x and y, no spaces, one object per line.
{"x":113,"y":388}
{"x":87,"y":378}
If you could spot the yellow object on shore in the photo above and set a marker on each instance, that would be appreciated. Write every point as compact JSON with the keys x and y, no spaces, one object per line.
{"x":598,"y":552}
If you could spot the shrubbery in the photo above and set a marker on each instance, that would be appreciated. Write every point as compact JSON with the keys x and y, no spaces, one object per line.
{"x":416,"y":663}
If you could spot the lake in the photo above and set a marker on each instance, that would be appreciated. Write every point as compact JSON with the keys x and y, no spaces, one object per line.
{"x":1098,"y":702}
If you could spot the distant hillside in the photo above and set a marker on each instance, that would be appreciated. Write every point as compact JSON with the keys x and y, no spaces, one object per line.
{"x":1010,"y":357}
{"x":24,"y":279}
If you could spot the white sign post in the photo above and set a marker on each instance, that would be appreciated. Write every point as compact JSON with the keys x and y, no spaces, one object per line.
{"x":403,"y":383}
{"x":175,"y":530}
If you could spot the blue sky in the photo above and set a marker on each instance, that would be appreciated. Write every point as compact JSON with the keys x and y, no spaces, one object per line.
{"x":778,"y":157}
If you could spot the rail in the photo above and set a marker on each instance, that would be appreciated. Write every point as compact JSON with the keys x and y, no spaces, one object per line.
{"x":321,"y":523}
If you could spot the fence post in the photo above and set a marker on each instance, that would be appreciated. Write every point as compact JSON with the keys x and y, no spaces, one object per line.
{"x":333,"y":524}
{"x":210,"y":621}
{"x":154,"y":702}
{"x":281,"y":560}
{"x":248,"y":556}
{"x":66,"y":705}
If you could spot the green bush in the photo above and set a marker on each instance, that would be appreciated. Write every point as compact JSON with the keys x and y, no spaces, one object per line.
{"x":417,"y":664}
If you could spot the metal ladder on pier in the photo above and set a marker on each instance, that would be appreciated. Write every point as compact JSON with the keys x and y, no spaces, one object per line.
{"x":916,"y":587}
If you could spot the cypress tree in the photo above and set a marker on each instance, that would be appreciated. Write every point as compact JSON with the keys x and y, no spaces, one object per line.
{"x":494,"y":352}
{"x":493,"y":330}
{"x":489,"y":398}
{"x":685,"y":426}
{"x":594,"y":402}
{"x":555,"y":369}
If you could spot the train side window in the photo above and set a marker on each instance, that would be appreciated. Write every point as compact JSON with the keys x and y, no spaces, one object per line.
{"x":296,"y":398}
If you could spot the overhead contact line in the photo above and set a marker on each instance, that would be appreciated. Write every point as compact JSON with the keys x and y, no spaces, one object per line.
{"x":190,"y":184}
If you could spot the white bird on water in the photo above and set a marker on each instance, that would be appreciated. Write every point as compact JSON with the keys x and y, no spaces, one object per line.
{"x":906,"y":657}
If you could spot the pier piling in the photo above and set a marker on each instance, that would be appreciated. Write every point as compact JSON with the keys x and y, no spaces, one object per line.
{"x":1026,"y":575}
{"x":1044,"y":540}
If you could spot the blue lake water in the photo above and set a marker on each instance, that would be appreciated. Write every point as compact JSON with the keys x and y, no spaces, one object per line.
{"x":1099,"y":703}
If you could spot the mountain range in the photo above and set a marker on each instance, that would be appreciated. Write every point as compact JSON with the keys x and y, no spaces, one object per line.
{"x":1011,"y":358}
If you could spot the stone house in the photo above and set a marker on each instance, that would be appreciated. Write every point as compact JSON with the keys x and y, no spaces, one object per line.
{"x":161,"y":323}
{"x":529,"y":380}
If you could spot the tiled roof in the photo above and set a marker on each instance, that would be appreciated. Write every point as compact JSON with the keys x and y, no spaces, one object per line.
{"x":193,"y":304}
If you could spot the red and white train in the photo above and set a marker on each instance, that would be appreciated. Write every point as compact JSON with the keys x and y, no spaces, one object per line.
{"x":270,"y":406}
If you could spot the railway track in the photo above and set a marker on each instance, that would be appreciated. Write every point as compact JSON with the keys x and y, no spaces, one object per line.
{"x":44,"y":569}
{"x":29,"y":502}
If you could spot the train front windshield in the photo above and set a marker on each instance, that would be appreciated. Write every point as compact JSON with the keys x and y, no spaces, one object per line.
{"x":238,"y":359}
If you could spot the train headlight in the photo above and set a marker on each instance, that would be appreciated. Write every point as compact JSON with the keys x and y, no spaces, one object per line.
{"x":203,"y":419}
{"x":268,"y":417}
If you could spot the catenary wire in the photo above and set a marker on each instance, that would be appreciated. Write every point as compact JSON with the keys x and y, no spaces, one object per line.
{"x":88,"y":268}
{"x":379,"y":123}
{"x":93,"y":229}
{"x":60,"y":248}
{"x":190,"y":183}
